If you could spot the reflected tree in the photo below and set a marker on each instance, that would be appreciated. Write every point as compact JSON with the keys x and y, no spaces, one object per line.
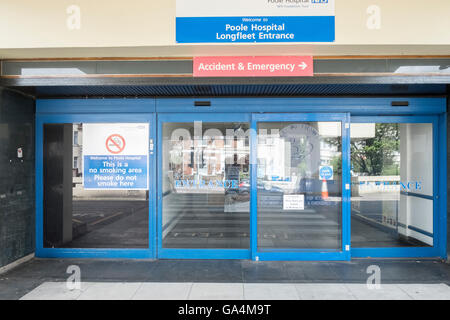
{"x":377,"y":155}
{"x":373,"y":156}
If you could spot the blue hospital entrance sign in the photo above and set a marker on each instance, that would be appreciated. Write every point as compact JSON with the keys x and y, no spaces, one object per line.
{"x":233,"y":21}
{"x":115,"y":156}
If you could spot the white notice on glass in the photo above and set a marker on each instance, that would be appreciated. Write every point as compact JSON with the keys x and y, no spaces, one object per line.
{"x":294,"y":202}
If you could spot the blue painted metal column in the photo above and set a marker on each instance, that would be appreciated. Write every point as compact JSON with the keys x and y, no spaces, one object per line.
{"x":346,"y":188}
{"x":442,"y":184}
{"x":253,"y":188}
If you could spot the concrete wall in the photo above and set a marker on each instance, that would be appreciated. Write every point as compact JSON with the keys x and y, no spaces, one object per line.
{"x":147,"y":28}
{"x":16,"y":176}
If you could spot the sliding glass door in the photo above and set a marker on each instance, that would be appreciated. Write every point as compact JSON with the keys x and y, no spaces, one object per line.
{"x":94,"y":191}
{"x":301,"y":163}
{"x":204,"y":194}
{"x":394,"y":186}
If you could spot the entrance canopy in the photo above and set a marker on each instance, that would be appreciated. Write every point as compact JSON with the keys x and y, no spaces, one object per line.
{"x":173,"y":77}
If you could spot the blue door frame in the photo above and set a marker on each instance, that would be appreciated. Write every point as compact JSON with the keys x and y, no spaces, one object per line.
{"x":251,"y":110}
{"x":173,"y":253}
{"x":439,"y":196}
{"x":97,"y":111}
{"x":302,"y":254}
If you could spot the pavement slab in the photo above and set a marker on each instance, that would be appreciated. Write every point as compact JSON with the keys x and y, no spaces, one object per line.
{"x":226,"y":279}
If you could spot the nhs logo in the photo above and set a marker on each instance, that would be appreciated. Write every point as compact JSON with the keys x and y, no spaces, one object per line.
{"x":319,"y":1}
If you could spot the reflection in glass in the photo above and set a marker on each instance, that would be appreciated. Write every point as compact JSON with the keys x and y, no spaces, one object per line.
{"x":392,"y":184}
{"x":206,"y":185}
{"x":79,"y":218}
{"x":299,"y":185}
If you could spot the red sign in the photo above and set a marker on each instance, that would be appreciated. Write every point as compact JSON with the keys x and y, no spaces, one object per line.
{"x":280,"y":66}
{"x":115,"y":143}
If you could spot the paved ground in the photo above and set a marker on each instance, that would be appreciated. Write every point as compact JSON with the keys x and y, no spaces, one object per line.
{"x":236,"y":291}
{"x":235,"y":279}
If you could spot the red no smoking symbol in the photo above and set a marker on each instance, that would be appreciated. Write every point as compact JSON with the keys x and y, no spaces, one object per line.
{"x":115,"y":143}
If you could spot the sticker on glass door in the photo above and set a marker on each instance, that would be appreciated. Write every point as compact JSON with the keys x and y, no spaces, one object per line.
{"x":115,"y":156}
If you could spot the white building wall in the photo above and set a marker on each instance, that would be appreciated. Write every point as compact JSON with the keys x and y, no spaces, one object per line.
{"x":416,"y":165}
{"x":147,"y":28}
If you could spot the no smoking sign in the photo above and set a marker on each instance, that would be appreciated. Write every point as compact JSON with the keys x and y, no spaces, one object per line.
{"x":115,"y":143}
{"x":115,"y":156}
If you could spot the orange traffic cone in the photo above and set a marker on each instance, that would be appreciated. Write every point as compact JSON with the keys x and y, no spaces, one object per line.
{"x":324,"y":189}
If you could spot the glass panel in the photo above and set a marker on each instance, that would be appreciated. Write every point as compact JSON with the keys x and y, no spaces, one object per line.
{"x":392,"y":184}
{"x":206,"y":185}
{"x":299,"y":185}
{"x":79,"y":214}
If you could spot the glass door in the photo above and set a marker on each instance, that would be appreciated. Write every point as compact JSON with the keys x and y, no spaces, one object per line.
{"x":302,"y":187}
{"x":94,"y":196}
{"x":204,"y":186}
{"x":394,"y":200}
